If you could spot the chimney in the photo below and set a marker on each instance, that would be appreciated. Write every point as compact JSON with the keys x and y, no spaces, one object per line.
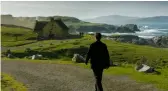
{"x":37,"y":18}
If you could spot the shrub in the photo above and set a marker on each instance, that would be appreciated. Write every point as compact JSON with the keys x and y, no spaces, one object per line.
{"x":76,"y":43}
{"x":143,"y":60}
{"x":28,"y":50}
{"x":159,"y":63}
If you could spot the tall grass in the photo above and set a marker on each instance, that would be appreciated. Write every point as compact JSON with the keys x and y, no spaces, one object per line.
{"x":8,"y":83}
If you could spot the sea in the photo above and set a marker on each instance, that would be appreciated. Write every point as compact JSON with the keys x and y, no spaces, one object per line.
{"x":146,"y":31}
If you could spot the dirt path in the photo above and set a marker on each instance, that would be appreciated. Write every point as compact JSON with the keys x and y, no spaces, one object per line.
{"x":60,"y":77}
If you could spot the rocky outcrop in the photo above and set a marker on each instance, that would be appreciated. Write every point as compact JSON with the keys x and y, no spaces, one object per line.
{"x":159,"y":41}
{"x":133,"y":27}
{"x":78,"y":58}
{"x":128,"y":28}
{"x":129,"y":39}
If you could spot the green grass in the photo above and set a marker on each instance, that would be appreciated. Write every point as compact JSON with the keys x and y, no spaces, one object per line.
{"x":132,"y":53}
{"x":8,"y":34}
{"x":8,"y":83}
{"x":17,"y":43}
{"x":160,"y":81}
{"x":119,"y":52}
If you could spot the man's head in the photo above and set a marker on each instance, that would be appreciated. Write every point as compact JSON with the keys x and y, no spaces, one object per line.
{"x":98,"y":36}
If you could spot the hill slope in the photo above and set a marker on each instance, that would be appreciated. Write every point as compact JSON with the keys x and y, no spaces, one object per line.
{"x":112,"y":19}
{"x":15,"y":33}
{"x":119,"y":52}
{"x":119,"y":20}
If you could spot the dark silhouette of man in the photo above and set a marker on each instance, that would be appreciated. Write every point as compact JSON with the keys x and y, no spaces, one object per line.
{"x":100,"y":60}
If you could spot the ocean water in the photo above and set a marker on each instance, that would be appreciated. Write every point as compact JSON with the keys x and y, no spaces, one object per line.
{"x":146,"y":31}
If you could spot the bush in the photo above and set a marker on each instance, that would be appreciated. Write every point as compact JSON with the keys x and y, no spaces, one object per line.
{"x":8,"y":52}
{"x":159,"y":63}
{"x":28,"y":50}
{"x":76,"y":43}
{"x":143,"y":60}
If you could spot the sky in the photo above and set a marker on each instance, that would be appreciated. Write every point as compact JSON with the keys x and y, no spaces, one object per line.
{"x":85,"y":9}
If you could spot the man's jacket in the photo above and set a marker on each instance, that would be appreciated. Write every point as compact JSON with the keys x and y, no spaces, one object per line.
{"x":99,"y":55}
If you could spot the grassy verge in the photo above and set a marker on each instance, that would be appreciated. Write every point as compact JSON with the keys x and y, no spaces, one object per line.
{"x":160,"y":81}
{"x":8,"y":83}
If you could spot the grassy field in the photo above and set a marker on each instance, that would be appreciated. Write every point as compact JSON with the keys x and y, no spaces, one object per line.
{"x":54,"y":49}
{"x":8,"y":34}
{"x":119,"y":52}
{"x":8,"y":83}
{"x":122,"y":53}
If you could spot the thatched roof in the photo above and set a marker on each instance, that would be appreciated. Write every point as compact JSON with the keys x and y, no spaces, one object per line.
{"x":61,"y":24}
{"x":40,"y":25}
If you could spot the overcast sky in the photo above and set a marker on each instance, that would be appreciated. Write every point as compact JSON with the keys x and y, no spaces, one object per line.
{"x":85,"y":9}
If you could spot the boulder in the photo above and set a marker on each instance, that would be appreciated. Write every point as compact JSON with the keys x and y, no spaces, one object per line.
{"x":33,"y":57}
{"x":37,"y":56}
{"x":10,"y":55}
{"x":145,"y":68}
{"x":78,"y":58}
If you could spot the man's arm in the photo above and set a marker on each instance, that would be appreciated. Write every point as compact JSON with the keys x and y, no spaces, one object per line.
{"x":108,"y":57}
{"x":88,"y":55}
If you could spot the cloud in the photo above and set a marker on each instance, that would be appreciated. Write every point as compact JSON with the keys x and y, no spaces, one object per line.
{"x":85,"y":9}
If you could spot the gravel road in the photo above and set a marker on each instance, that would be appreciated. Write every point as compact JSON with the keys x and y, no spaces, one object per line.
{"x":64,"y":77}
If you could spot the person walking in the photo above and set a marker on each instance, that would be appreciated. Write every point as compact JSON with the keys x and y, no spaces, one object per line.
{"x":100,"y":60}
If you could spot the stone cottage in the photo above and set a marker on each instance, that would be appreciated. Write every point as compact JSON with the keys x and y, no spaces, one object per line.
{"x":55,"y":28}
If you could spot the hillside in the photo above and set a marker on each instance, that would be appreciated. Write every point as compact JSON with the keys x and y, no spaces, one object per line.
{"x":112,"y":19}
{"x":121,"y":52}
{"x":155,"y":19}
{"x":119,"y":20}
{"x":15,"y":33}
{"x":73,"y":23}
